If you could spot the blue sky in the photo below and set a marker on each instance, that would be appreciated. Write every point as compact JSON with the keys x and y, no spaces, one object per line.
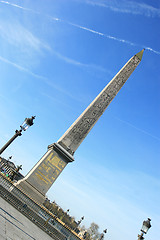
{"x":55,"y":57}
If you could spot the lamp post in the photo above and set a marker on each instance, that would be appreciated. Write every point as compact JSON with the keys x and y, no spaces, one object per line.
{"x":145,"y":227}
{"x":15,"y":172}
{"x":102,"y":234}
{"x":24,"y":126}
{"x":78,"y":223}
{"x":61,"y":218}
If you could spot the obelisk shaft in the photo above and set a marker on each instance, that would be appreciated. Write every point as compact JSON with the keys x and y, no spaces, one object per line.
{"x":38,"y":181}
{"x":82,"y":126}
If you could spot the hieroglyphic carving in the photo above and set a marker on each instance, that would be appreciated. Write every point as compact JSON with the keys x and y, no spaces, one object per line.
{"x":47,"y":172}
{"x":81,"y":127}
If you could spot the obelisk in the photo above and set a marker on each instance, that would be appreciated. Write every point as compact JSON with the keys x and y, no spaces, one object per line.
{"x":38,"y":181}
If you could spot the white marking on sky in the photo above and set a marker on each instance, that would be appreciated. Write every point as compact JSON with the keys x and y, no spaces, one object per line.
{"x":139,"y":129}
{"x":44,"y":79}
{"x":128,"y":7}
{"x":94,"y":31}
{"x":16,"y":34}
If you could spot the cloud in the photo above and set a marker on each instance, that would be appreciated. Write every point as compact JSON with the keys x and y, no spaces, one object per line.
{"x":123,"y":6}
{"x":19,"y":36}
{"x":127,"y":7}
{"x":80,"y":64}
{"x":49,"y":82}
{"x":54,"y":99}
{"x":42,"y":78}
{"x":21,"y":68}
{"x":60,"y":56}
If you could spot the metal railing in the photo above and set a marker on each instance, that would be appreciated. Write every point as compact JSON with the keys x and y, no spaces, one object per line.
{"x":35,"y":212}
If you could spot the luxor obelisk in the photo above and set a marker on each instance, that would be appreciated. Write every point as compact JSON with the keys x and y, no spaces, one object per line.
{"x":41,"y":177}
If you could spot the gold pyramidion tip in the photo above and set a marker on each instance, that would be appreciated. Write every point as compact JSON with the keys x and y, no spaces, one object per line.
{"x":140,"y":54}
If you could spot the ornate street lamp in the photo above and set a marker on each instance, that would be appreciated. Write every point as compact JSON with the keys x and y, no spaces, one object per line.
{"x":102,"y":234}
{"x":145,"y":227}
{"x":79,"y":222}
{"x":61,"y":218}
{"x":24,"y":126}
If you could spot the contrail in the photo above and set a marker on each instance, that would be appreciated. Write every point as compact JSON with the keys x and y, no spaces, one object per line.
{"x":42,"y":78}
{"x":110,"y":37}
{"x":152,"y":50}
{"x":84,"y":28}
{"x":139,"y":129}
{"x":127,"y":7}
{"x":22,"y":68}
{"x":102,"y":34}
{"x":18,"y":6}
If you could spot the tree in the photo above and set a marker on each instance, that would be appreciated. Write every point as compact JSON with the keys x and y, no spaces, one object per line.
{"x":93,"y":231}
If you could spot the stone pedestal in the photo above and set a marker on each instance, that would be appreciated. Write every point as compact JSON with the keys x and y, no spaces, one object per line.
{"x":38,"y":181}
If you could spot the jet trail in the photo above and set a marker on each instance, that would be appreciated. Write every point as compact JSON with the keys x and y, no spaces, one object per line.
{"x":84,"y":28}
{"x":18,"y":6}
{"x":21,"y":68}
{"x":42,"y":78}
{"x":139,"y":129}
{"x":152,"y":50}
{"x":108,"y":36}
{"x":103,"y":34}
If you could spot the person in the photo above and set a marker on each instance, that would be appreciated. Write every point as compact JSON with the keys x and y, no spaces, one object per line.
{"x":0,"y":167}
{"x":3,"y":170}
